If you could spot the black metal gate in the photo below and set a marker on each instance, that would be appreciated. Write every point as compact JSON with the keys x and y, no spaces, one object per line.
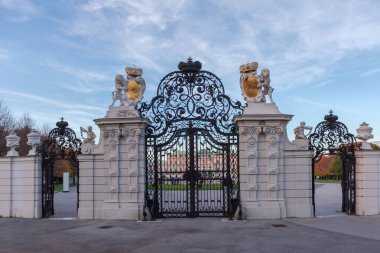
{"x":191,"y":146}
{"x":60,"y":144}
{"x":331,"y":137}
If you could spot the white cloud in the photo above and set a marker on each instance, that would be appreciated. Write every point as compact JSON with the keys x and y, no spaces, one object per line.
{"x":80,"y":73}
{"x":329,"y":106}
{"x":51,"y":102}
{"x":300,"y":42}
{"x":87,"y":81}
{"x":21,"y":10}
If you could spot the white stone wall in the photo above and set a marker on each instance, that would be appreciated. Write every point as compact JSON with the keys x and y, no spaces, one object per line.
{"x":367,"y":182}
{"x":20,"y":187}
{"x":298,"y":182}
{"x":275,"y":174}
{"x":112,"y":174}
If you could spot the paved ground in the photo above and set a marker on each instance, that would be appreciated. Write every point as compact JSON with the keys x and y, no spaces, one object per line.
{"x":65,"y":204}
{"x":173,"y":235}
{"x":328,"y":200}
{"x":328,"y":233}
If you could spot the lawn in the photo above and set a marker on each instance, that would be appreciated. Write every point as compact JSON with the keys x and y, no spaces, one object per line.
{"x":328,"y":181}
{"x":182,"y":187}
{"x":59,"y":187}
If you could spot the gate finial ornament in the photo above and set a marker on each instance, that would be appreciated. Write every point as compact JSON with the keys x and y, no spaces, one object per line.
{"x":190,"y":66}
{"x":331,"y":118}
{"x":255,"y":87}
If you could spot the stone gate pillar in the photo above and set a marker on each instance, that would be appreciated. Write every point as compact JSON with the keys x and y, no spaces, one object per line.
{"x":275,"y":174}
{"x":367,"y":174}
{"x":262,"y":133}
{"x":112,"y":173}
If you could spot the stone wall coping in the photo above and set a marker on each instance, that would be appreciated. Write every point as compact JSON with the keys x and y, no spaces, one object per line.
{"x":126,"y":121}
{"x":262,"y":117}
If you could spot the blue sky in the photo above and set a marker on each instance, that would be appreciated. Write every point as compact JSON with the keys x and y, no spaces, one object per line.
{"x":59,"y":58}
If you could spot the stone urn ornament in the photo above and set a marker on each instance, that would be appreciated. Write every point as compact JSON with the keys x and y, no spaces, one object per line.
{"x":13,"y":141}
{"x":34,"y":139}
{"x":364,"y":132}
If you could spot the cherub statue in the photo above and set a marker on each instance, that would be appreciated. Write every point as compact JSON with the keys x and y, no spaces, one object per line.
{"x":300,"y":131}
{"x":90,"y":138}
{"x":264,"y":85}
{"x":118,"y":93}
{"x":255,"y":87}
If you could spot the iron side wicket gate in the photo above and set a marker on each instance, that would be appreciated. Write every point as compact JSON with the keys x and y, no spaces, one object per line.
{"x":331,"y":137}
{"x":61,"y":143}
{"x":191,"y":146}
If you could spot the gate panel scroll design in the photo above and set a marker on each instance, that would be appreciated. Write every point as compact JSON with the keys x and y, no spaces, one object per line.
{"x":191,"y":146}
{"x":61,"y":143}
{"x":331,"y":137}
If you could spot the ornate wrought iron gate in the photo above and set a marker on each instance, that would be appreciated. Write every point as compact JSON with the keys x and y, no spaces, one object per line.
{"x":331,"y":137}
{"x":191,"y":146}
{"x":62,"y":143}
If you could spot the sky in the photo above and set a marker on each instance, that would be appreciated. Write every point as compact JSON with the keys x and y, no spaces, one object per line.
{"x":59,"y":58}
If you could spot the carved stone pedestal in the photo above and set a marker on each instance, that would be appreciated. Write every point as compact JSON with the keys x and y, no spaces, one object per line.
{"x":268,"y":165}
{"x":112,"y":174}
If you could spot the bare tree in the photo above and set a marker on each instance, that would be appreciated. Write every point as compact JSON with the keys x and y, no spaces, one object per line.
{"x":44,"y":131}
{"x":24,"y":125}
{"x":7,"y":125}
{"x":26,"y":122}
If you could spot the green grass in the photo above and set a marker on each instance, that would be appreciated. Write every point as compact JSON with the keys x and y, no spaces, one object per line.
{"x":183,"y":187}
{"x":59,"y":187}
{"x":328,"y":181}
{"x":173,"y":187}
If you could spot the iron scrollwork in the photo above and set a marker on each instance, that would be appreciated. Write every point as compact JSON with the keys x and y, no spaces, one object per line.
{"x":190,"y":94}
{"x":331,"y":137}
{"x":191,"y":146}
{"x":61,"y":143}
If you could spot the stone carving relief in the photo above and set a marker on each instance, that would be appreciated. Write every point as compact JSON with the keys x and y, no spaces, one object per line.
{"x":130,"y":90}
{"x":273,"y":137}
{"x":135,"y":88}
{"x":273,"y":134}
{"x":118,"y":95}
{"x":132,"y":137}
{"x":89,"y":141}
{"x":128,"y":114}
{"x":113,"y":133}
{"x":251,"y":134}
{"x":255,"y":87}
{"x":111,"y":137}
{"x":301,"y":138}
{"x":299,"y":131}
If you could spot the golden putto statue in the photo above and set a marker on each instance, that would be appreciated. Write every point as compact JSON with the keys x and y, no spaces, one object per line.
{"x":129,"y":91}
{"x":255,"y":87}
